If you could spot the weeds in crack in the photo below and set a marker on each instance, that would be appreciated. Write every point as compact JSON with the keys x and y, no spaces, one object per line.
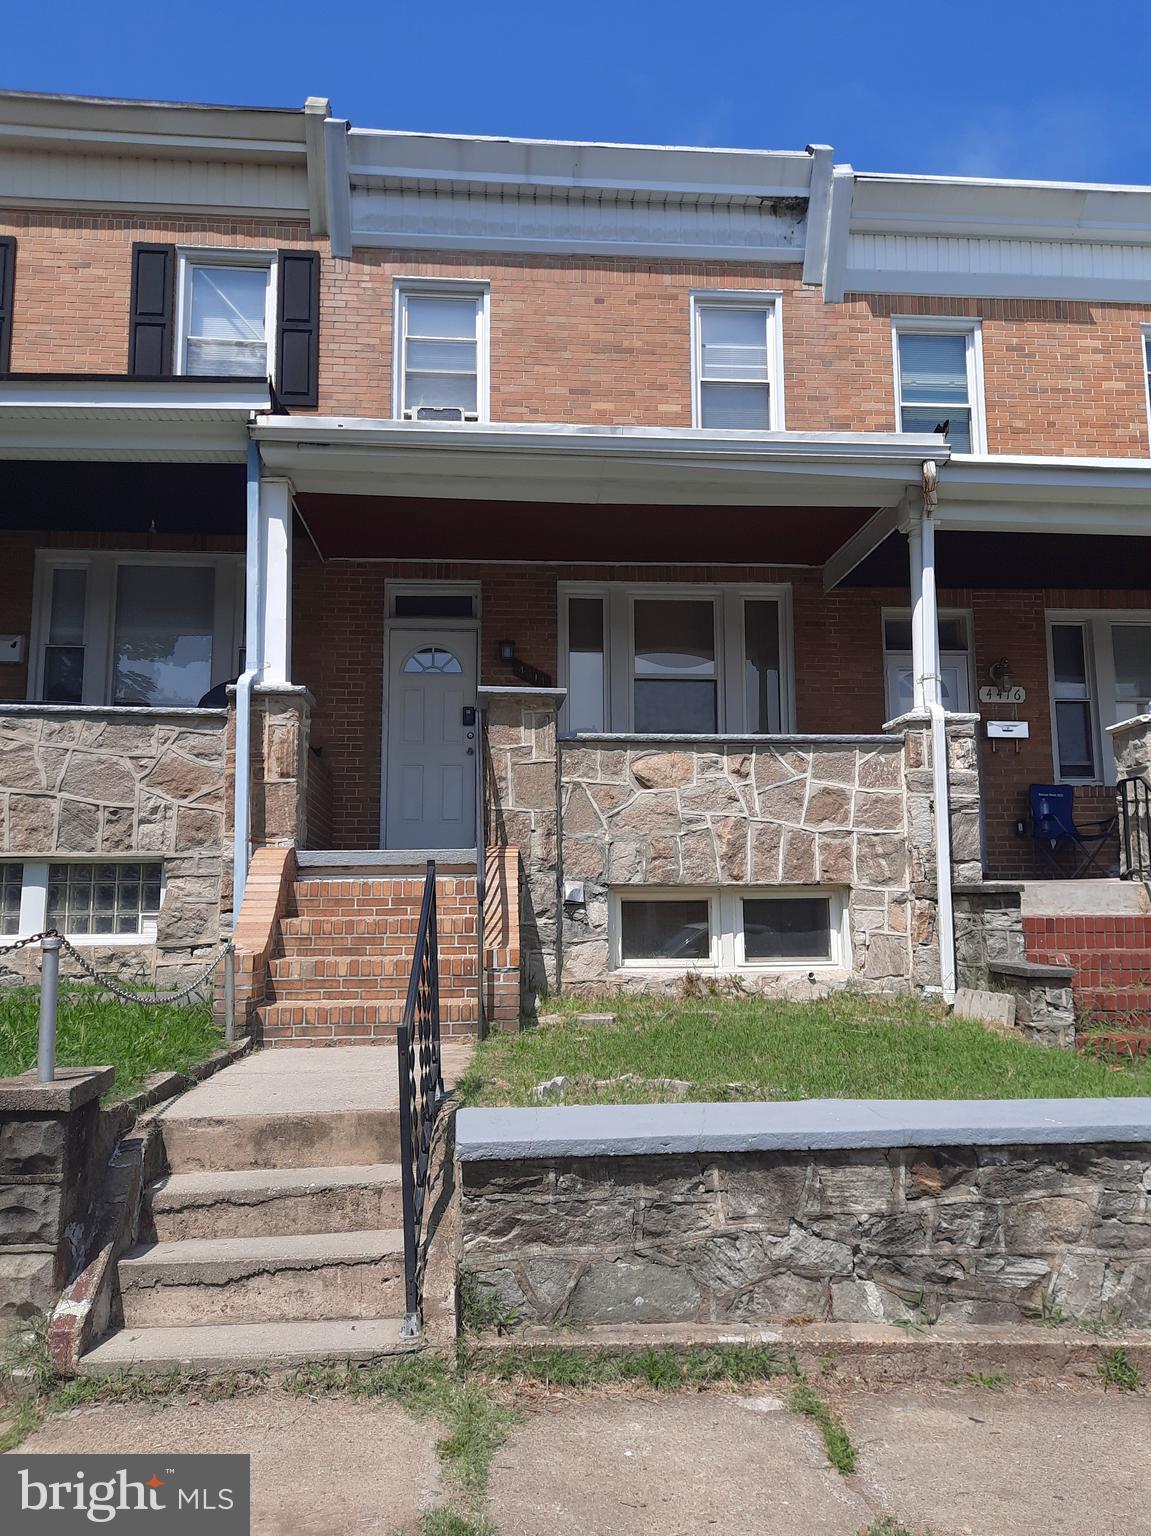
{"x":665,"y":1370}
{"x":836,"y":1441}
{"x":1116,"y":1370}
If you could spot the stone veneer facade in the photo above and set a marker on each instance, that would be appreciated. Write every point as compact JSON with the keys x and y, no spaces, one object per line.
{"x":967,"y":1234}
{"x":849,"y":814}
{"x":126,"y":783}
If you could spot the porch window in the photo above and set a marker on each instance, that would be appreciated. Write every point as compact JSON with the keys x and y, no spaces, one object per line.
{"x":727,"y":928}
{"x":736,"y":373}
{"x":674,"y":660}
{"x":954,"y":661}
{"x":441,"y":353}
{"x":938,"y":376}
{"x":127,"y":629}
{"x":1100,"y":672}
{"x":227,"y":316}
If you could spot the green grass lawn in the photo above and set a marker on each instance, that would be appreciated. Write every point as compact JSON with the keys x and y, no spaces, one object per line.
{"x":845,"y":1046}
{"x":94,"y":1030}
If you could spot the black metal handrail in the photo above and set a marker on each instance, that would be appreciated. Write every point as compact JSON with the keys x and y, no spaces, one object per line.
{"x":1135,"y":821}
{"x":421,"y":1092}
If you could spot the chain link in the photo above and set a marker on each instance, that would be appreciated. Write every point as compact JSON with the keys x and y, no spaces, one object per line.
{"x":33,"y":938}
{"x":116,"y":990}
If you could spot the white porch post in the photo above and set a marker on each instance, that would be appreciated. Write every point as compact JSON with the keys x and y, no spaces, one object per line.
{"x":275,"y":580}
{"x":928,"y":698}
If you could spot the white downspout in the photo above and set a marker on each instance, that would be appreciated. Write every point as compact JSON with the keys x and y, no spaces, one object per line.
{"x":929,"y":686}
{"x":253,"y":631}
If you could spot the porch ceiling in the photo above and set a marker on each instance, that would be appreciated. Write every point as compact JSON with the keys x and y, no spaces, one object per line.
{"x":418,"y":528}
{"x":84,"y":497}
{"x":1019,"y":561}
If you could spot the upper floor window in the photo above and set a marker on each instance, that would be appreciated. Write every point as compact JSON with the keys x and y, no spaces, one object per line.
{"x":441,"y":368}
{"x":132,"y":629}
{"x":938,"y":380}
{"x":736,"y":368}
{"x":1147,"y":369}
{"x":227,"y":310}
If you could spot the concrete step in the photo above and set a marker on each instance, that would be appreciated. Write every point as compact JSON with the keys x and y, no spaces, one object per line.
{"x":300,"y":1278}
{"x":318,"y":1138}
{"x":272,"y":1202}
{"x":246,"y":1346}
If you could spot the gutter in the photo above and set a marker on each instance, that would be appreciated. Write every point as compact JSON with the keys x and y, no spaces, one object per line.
{"x":253,"y":630}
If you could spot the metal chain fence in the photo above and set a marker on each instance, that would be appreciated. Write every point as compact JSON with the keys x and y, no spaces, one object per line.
{"x":51,"y":942}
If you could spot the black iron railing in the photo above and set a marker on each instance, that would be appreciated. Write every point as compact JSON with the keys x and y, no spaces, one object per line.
{"x":1135,"y":828}
{"x":421,"y":1093}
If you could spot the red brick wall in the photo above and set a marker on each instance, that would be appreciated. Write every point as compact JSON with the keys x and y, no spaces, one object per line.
{"x":838,"y":666}
{"x":598,"y":339}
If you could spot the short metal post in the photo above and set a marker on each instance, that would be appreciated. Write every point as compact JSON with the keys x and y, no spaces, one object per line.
{"x":49,"y":988}
{"x":230,"y":995}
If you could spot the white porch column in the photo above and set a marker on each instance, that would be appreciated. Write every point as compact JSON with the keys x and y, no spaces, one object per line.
{"x":275,"y":581}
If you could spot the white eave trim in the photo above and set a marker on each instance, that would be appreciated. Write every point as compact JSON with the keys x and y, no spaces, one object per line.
{"x":171,"y":421}
{"x":857,"y":449}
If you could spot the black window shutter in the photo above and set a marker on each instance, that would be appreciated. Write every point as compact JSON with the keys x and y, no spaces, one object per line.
{"x":150,"y":340}
{"x":7,"y":288}
{"x":297,"y":378}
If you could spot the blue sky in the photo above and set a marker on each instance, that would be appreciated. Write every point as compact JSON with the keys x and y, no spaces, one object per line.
{"x":1054,"y":90}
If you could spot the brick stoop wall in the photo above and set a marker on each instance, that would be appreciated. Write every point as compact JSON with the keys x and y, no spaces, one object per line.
{"x":1111,"y":958}
{"x":343,"y":955}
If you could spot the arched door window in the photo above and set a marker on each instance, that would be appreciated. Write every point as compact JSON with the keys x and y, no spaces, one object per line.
{"x":432,"y":658}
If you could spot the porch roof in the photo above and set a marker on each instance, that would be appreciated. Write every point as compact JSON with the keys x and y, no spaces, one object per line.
{"x":120,"y":418}
{"x":556,"y":462}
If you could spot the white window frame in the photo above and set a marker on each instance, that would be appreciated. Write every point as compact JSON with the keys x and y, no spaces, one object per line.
{"x":1145,"y":344}
{"x":769,"y":299}
{"x":100,"y":613}
{"x":947,"y":325}
{"x":967,"y":657}
{"x":619,"y":649}
{"x":34,"y":898}
{"x":478,"y":290}
{"x":1096,"y":623}
{"x":187,"y":257}
{"x":726,"y":928}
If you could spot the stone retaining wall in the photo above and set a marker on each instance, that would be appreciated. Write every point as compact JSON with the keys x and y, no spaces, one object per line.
{"x":83,"y":781}
{"x":967,"y":1232}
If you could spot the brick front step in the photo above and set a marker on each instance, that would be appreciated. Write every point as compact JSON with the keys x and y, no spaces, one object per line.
{"x":326,"y":1022}
{"x":1107,"y":931}
{"x":1101,"y":967}
{"x":1110,"y":957}
{"x":1116,"y":1042}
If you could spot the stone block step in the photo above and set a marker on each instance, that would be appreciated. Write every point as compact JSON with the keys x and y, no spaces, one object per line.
{"x":320,"y":1138}
{"x":246,"y":1346}
{"x":301,"y":1278}
{"x":272,"y":1202}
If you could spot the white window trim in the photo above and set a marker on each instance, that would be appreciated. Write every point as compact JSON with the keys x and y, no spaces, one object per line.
{"x":619,"y":653}
{"x":770,"y":299}
{"x":192,"y":256}
{"x":34,"y":899}
{"x":100,"y":612}
{"x":966,"y":657}
{"x":1097,"y":623}
{"x":476,"y":289}
{"x":1145,"y":358}
{"x":935,"y":325}
{"x":726,"y":928}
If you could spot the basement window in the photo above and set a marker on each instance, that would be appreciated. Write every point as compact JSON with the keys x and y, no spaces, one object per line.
{"x":11,"y":889}
{"x":106,"y":902}
{"x":727,"y":929}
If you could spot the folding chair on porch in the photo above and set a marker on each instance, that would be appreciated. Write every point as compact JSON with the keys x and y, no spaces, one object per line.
{"x":1054,"y":829}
